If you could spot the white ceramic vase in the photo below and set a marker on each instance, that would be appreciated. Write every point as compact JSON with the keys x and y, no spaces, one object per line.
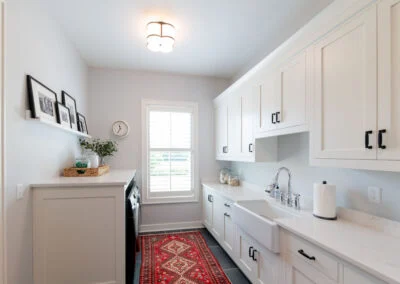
{"x":94,"y":160}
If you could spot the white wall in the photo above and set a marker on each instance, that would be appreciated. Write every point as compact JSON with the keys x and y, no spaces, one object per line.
{"x":117,"y":94}
{"x":351,"y":184}
{"x":34,"y":45}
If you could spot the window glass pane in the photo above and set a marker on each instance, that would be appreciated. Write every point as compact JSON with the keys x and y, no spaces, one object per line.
{"x":181,"y":171}
{"x":181,"y":125}
{"x":160,"y":129}
{"x":159,"y":171}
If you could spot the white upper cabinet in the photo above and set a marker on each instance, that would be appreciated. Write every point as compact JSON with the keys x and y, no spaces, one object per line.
{"x":388,"y":80}
{"x":248,"y":99}
{"x":282,"y":103}
{"x":292,"y":93}
{"x":221,"y":130}
{"x":234,"y":124}
{"x":344,"y":122}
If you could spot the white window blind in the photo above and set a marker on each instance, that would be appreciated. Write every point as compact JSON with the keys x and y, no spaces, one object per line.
{"x":170,"y":150}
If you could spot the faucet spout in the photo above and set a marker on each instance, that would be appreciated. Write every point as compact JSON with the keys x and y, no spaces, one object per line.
{"x":275,"y":184}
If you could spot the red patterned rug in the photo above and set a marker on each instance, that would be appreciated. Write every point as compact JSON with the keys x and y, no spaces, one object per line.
{"x":182,"y":258}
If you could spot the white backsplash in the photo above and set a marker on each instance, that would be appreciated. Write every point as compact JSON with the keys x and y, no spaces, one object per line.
{"x":351,"y":185}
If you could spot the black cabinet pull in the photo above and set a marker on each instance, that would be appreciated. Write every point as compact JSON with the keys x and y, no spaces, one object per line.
{"x":250,"y":252}
{"x":380,"y":139}
{"x":367,"y":133}
{"x":225,"y":149}
{"x":254,"y":256}
{"x":277,"y":117}
{"x":227,"y":205}
{"x":306,"y":255}
{"x":250,"y":147}
{"x":227,"y":215}
{"x":210,"y":198}
{"x":273,"y":118}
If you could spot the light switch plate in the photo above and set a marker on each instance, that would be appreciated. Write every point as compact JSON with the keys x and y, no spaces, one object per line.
{"x":20,"y":191}
{"x":375,"y":194}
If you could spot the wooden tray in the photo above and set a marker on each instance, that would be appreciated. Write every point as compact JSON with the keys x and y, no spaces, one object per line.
{"x":86,"y":172}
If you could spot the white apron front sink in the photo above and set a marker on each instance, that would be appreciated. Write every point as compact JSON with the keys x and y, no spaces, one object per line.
{"x":256,"y":218}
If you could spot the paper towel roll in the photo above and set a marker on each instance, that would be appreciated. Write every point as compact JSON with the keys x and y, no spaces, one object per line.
{"x":325,"y":201}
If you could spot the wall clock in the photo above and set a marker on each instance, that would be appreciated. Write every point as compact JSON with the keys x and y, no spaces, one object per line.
{"x":120,"y":128}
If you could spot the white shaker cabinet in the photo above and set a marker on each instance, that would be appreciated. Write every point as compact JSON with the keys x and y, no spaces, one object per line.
{"x":353,"y":275}
{"x":388,"y":80}
{"x":282,"y":103}
{"x":79,"y":229}
{"x":345,"y":90}
{"x":221,"y":130}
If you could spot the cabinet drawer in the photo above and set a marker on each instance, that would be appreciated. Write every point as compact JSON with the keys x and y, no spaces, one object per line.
{"x":320,"y":260}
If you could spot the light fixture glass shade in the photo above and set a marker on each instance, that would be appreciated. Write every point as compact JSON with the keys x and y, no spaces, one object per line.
{"x":160,"y":37}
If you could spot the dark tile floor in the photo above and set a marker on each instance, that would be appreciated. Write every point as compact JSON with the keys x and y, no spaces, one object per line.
{"x":227,"y":264}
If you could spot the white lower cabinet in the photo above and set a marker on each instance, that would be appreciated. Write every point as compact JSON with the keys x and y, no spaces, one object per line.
{"x":256,"y":262}
{"x":300,"y":262}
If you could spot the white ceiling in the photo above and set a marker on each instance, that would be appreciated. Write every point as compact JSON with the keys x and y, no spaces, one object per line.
{"x":214,"y":37}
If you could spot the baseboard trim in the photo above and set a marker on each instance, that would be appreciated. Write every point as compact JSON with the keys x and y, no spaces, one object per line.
{"x":170,"y":226}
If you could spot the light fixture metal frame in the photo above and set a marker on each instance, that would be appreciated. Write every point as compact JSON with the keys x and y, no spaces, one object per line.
{"x":161,"y":23}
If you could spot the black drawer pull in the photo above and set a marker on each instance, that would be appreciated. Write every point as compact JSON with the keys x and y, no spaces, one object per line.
{"x":277,"y":117}
{"x":227,"y":215}
{"x":227,"y":205}
{"x":367,"y":133}
{"x":380,"y":139}
{"x":306,"y":255}
{"x":254,"y":256}
{"x":273,"y":118}
{"x":250,"y":252}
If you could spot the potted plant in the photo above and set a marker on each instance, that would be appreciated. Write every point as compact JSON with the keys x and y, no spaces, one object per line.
{"x":103,"y":148}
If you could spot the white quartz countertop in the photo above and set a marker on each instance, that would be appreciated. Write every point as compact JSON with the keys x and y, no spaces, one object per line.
{"x":373,"y":250}
{"x":368,"y":242}
{"x":235,"y":193}
{"x":113,"y":178}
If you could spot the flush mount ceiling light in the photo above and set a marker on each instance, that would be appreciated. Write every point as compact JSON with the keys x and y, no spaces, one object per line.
{"x":160,"y":36}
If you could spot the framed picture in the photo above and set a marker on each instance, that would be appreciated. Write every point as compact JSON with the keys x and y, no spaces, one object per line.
{"x":82,"y":123}
{"x":63,"y":115}
{"x":42,"y":100}
{"x":70,"y":103}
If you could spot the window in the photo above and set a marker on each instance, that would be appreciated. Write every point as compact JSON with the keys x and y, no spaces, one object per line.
{"x":169,"y":152}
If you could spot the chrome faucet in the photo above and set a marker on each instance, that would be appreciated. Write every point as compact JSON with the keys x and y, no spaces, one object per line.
{"x":272,"y":188}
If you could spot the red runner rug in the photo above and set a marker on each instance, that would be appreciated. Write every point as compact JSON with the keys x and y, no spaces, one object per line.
{"x":182,"y":258}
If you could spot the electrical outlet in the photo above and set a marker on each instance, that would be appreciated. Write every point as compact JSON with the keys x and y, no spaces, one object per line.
{"x":20,"y":191}
{"x":375,"y":194}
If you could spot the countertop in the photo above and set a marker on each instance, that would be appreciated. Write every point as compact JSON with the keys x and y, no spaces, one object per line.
{"x":236,"y":193}
{"x":366,"y":241}
{"x":113,"y":178}
{"x":371,"y":249}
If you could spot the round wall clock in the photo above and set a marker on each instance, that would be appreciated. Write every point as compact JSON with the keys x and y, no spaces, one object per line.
{"x":120,"y":128}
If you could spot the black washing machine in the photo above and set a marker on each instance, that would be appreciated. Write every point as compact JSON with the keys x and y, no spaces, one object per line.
{"x":132,"y":211}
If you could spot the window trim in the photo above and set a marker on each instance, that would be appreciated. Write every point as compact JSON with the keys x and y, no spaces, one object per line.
{"x":193,"y":195}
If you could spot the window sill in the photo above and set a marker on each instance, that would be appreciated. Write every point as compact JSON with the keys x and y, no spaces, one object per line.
{"x":159,"y":201}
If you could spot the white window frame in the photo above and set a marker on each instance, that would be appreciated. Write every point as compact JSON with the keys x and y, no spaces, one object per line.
{"x":169,"y":197}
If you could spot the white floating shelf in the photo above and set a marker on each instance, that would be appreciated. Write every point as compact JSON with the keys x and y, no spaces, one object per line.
{"x":56,"y":125}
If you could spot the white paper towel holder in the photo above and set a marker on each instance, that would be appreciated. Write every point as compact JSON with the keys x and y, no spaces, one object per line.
{"x":334,"y":200}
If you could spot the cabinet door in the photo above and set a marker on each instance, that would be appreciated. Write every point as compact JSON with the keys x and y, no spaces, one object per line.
{"x":229,"y":233}
{"x":248,"y":100}
{"x":268,"y":267}
{"x":207,"y":209}
{"x":351,"y":276}
{"x":268,"y":103}
{"x":303,"y":273}
{"x":221,"y":130}
{"x":218,"y":217}
{"x":234,"y":124}
{"x":388,"y":79}
{"x":244,"y":248}
{"x":345,"y":90}
{"x":292,"y":89}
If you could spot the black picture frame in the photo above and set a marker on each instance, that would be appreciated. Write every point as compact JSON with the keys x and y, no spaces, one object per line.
{"x":82,"y":123}
{"x":60,"y":109}
{"x":70,"y":102}
{"x":44,"y":107}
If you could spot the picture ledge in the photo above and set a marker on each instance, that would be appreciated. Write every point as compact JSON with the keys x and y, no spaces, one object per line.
{"x":56,"y":125}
